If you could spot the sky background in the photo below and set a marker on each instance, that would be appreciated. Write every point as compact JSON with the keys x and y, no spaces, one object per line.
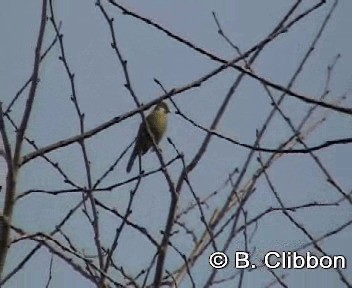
{"x":151,"y":54}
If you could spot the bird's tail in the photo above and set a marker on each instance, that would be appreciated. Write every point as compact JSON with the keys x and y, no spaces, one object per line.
{"x":131,"y":161}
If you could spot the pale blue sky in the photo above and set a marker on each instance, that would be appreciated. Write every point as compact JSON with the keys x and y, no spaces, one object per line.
{"x":151,"y":54}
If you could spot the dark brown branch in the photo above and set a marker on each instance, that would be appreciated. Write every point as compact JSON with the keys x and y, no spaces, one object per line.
{"x":12,"y":174}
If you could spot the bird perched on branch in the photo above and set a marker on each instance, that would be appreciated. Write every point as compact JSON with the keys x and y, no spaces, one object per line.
{"x":157,"y":123}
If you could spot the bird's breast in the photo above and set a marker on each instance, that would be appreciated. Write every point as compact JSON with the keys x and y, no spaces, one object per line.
{"x":158,"y":125}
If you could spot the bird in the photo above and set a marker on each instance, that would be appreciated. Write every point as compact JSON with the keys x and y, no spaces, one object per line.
{"x":157,"y":123}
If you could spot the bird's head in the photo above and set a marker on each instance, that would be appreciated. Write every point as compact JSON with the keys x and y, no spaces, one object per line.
{"x":162,"y":107}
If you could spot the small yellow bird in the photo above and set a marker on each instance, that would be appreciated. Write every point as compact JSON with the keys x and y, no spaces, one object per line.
{"x":157,"y":123}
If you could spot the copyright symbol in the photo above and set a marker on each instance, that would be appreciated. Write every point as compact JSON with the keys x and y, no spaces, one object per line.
{"x":218,"y":260}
